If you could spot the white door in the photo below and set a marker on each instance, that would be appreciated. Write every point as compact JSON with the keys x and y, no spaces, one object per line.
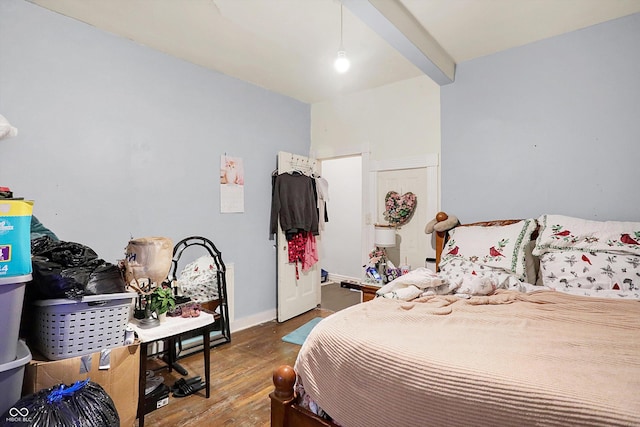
{"x":295,"y":295}
{"x":413,"y":245}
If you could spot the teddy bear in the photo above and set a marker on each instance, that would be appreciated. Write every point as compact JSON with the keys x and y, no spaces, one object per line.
{"x":442,"y":222}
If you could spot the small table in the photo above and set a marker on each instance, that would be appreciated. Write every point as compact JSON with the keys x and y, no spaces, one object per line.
{"x":169,"y":330}
{"x":368,"y":289}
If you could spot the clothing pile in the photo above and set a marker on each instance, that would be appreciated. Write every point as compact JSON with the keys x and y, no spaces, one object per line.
{"x":298,"y":202}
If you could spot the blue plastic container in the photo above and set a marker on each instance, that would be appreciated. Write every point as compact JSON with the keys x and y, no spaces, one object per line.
{"x":15,"y":237}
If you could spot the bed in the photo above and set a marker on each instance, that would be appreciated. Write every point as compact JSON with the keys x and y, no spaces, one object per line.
{"x":527,"y":322}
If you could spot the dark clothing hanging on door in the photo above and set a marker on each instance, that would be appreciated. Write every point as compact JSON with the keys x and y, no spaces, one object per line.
{"x":294,"y":203}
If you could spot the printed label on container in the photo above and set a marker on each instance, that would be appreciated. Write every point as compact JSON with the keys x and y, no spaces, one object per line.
{"x":5,"y":253}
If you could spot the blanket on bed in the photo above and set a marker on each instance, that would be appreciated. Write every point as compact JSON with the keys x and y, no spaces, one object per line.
{"x":544,"y":358}
{"x":465,"y":279}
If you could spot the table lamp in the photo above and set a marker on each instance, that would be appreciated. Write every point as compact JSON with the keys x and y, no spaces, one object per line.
{"x":385,"y":236}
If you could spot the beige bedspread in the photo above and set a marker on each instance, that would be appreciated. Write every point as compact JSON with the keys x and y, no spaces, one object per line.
{"x":510,"y":359}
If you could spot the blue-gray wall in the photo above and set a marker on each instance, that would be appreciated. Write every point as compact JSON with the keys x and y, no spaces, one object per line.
{"x":117,"y":141}
{"x":550,"y":127}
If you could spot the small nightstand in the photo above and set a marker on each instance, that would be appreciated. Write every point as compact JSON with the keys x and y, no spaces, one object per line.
{"x":368,"y":289}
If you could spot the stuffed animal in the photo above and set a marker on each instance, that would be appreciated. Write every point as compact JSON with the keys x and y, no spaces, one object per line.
{"x":442,"y":222}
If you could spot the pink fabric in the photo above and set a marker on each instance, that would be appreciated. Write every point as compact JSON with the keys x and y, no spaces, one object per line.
{"x":303,"y":248}
{"x":310,"y":252}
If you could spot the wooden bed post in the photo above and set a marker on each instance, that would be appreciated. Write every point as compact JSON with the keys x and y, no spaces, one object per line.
{"x":284,"y":378}
{"x":440,"y":239}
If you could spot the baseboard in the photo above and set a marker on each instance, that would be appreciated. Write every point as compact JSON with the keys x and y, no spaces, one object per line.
{"x":337,"y":278}
{"x":249,"y":321}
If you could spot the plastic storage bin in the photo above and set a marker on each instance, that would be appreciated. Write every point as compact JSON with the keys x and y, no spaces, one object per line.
{"x":66,"y":328}
{"x":11,"y":377}
{"x":11,"y":300}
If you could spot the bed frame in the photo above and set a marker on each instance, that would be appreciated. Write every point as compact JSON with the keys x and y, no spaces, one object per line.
{"x":285,"y":411}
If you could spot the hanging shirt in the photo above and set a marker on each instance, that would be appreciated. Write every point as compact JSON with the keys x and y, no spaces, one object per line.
{"x":322,"y":188}
{"x":293,"y":203}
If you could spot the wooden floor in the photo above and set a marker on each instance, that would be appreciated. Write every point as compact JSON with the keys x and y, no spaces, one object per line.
{"x":240,"y":378}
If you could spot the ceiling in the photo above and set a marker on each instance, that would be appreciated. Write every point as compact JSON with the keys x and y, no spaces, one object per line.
{"x":288,"y":46}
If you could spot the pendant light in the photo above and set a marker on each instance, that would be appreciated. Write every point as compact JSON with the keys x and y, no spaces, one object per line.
{"x":341,"y":63}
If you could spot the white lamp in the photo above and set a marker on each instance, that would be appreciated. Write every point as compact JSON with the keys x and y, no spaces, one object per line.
{"x":385,"y":236}
{"x":341,"y":64}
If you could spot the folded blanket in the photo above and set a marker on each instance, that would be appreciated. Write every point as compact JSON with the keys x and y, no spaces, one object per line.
{"x":413,"y":284}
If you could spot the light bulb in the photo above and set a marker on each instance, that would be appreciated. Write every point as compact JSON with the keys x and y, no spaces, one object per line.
{"x":342,"y":63}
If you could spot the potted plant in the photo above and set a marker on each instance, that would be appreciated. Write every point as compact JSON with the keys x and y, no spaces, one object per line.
{"x":162,"y":300}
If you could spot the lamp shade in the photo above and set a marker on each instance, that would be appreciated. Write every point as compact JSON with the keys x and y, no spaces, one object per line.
{"x":385,"y":236}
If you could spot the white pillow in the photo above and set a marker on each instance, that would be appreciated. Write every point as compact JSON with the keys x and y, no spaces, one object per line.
{"x":564,"y":233}
{"x":600,"y":271}
{"x":500,"y":246}
{"x":198,"y":280}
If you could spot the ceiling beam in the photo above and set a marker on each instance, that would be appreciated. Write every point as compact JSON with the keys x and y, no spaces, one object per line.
{"x":395,"y":24}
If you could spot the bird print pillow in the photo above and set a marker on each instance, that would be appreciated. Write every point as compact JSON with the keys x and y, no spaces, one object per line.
{"x":594,"y":258}
{"x":598,"y":274}
{"x":564,"y":233}
{"x":501,"y":247}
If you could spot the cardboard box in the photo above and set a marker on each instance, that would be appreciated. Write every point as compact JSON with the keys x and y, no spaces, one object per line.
{"x":120,"y":380}
{"x":156,"y":399}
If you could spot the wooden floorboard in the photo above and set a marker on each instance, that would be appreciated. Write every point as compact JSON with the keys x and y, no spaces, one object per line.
{"x":240,"y":378}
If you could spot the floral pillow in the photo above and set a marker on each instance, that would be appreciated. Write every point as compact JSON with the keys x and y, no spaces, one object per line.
{"x":563,"y":233}
{"x":591,"y":273}
{"x":500,"y":247}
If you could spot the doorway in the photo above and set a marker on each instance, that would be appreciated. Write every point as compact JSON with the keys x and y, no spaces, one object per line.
{"x":341,"y":243}
{"x":335,"y":297}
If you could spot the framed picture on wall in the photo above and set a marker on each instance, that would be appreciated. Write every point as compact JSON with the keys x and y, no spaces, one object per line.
{"x":231,"y":184}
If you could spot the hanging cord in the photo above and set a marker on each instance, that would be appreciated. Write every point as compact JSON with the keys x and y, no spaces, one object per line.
{"x":58,"y":394}
{"x":341,"y":44}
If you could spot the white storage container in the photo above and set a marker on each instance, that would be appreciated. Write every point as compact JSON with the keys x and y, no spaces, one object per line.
{"x":11,"y":301}
{"x":11,"y":377}
{"x":66,"y":328}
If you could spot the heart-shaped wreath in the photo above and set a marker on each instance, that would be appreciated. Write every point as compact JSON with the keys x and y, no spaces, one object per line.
{"x":399,"y":209}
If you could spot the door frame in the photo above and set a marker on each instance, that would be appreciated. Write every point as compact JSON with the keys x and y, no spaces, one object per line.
{"x":362,"y":151}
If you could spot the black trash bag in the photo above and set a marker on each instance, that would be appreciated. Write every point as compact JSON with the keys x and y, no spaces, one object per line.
{"x":70,"y":270}
{"x":52,"y":280}
{"x":40,"y":244}
{"x":68,"y":254}
{"x":105,"y":279}
{"x":83,"y":404}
